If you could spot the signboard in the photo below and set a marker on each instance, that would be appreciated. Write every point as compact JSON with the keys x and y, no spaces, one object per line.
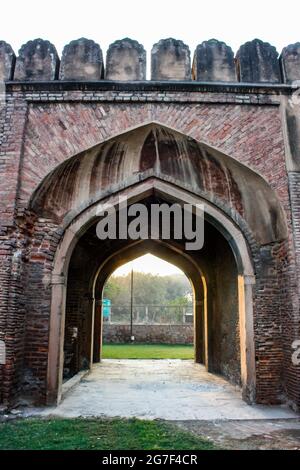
{"x":106,"y":303}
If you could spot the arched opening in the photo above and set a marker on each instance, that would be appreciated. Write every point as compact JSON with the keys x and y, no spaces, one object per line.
{"x":148,"y":311}
{"x":169,"y":253}
{"x":220,"y":274}
{"x":246,"y":235}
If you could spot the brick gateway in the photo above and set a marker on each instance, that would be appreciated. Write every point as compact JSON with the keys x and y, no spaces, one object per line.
{"x":225,"y":132}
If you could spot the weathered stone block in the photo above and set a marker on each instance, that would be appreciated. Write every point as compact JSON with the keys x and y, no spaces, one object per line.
{"x":37,"y":60}
{"x":126,"y":60}
{"x":170,"y":60}
{"x":7,"y":61}
{"x":214,"y":61}
{"x":290,"y":63}
{"x":258,"y":62}
{"x":82,"y":59}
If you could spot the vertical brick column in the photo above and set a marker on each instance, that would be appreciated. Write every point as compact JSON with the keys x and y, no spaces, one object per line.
{"x":291,"y":127}
{"x":11,"y":313}
{"x":294,"y":333}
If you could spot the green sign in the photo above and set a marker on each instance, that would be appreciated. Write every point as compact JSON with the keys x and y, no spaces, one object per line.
{"x":106,"y":303}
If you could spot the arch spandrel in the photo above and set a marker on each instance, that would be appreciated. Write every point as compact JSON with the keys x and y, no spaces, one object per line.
{"x":153,"y":150}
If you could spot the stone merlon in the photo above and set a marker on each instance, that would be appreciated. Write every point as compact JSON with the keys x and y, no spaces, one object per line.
{"x":255,"y":62}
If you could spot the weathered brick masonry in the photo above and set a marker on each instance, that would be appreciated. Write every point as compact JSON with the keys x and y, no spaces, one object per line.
{"x":169,"y":334}
{"x":75,"y":132}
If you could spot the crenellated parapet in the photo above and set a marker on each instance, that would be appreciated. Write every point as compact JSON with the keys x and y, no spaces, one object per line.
{"x":7,"y":61}
{"x":82,"y":59}
{"x":213,"y":61}
{"x":126,"y":60}
{"x":290,"y":63}
{"x":37,"y":60}
{"x":170,"y":60}
{"x":257,"y":62}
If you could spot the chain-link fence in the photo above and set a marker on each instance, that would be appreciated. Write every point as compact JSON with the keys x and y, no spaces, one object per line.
{"x":149,"y":314}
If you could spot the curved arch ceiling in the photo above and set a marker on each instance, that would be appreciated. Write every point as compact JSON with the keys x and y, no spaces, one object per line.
{"x":155,"y":150}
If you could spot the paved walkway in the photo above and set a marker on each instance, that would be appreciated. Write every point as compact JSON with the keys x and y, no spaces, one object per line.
{"x":163,"y":389}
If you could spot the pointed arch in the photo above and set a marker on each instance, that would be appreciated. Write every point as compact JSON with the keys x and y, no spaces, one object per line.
{"x":154,"y":150}
{"x":231,"y":232}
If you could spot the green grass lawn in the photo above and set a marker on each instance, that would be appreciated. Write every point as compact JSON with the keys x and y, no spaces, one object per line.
{"x":97,"y":434}
{"x":148,"y":351}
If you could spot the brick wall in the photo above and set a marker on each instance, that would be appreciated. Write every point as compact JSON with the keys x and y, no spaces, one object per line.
{"x":68,"y":125}
{"x":166,"y":334}
{"x":43,"y":127}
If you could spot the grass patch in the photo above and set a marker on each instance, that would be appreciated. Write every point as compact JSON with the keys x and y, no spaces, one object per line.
{"x":148,"y":351}
{"x":97,"y":434}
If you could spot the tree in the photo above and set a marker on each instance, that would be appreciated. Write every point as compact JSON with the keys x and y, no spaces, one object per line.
{"x":149,"y":289}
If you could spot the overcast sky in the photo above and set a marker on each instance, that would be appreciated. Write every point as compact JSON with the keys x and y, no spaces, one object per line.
{"x":148,"y":263}
{"x":193,"y":21}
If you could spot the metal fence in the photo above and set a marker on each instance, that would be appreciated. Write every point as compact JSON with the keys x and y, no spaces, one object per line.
{"x":149,"y":314}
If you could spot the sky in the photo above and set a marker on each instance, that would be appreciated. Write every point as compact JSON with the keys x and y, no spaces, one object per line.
{"x":192,"y":21}
{"x":148,"y":263}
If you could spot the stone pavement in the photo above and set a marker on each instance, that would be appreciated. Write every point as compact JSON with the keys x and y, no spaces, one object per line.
{"x":159,"y":389}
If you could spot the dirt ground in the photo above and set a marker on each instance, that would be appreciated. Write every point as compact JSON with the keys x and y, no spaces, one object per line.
{"x":274,"y":434}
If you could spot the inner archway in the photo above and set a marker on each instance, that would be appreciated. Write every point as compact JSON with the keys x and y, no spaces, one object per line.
{"x":173,"y":255}
{"x":223,"y":321}
{"x":148,"y":311}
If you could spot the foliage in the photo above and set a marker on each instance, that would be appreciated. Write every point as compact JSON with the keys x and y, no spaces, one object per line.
{"x":182,"y":301}
{"x":149,"y":289}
